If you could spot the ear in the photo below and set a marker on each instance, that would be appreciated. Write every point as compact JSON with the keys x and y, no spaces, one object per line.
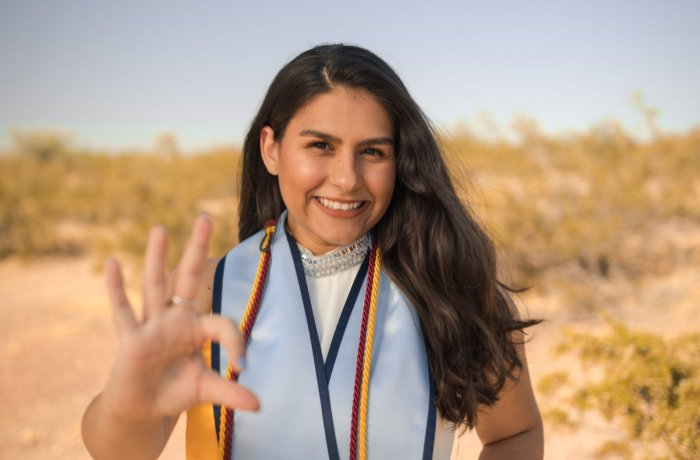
{"x":269,"y":149}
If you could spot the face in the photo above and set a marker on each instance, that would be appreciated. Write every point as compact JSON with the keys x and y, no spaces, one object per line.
{"x":336,"y":166}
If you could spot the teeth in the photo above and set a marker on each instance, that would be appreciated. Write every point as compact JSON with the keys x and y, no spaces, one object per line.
{"x":338,"y":205}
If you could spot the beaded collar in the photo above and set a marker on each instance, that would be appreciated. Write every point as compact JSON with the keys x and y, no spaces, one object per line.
{"x":335,"y":261}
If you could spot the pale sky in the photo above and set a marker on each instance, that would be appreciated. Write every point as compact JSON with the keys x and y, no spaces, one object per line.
{"x":116,"y":74}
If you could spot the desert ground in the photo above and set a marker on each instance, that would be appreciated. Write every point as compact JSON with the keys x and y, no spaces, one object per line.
{"x":58,"y":343}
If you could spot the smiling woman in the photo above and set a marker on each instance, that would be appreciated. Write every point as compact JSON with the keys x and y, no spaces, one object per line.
{"x":336,"y":167}
{"x":370,"y":314}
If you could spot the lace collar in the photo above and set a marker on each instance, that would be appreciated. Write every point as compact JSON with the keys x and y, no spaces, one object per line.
{"x":335,"y":261}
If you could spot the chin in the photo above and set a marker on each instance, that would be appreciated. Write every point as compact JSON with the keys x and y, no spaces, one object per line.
{"x":344,"y":238}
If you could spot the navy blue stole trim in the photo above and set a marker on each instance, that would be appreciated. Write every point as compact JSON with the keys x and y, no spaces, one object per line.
{"x":345,"y":317}
{"x":217,"y":289}
{"x":321,"y":378}
{"x":429,"y":443}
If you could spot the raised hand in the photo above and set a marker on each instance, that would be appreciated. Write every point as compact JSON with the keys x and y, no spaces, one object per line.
{"x":159,"y":371}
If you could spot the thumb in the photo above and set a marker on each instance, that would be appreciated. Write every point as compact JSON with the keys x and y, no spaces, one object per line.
{"x":216,"y":390}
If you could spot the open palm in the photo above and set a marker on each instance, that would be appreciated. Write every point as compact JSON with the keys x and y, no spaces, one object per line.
{"x":159,"y":370}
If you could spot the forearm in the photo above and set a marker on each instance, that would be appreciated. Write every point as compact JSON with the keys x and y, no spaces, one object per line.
{"x":528,"y":445}
{"x":108,"y":435}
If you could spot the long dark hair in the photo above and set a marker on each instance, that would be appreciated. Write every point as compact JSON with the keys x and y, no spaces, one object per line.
{"x":443,"y":261}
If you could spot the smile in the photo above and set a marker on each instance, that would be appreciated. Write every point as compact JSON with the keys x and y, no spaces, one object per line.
{"x":340,"y":205}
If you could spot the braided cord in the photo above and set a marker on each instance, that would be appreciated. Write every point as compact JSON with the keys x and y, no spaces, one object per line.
{"x":360,"y":355}
{"x":246,"y":326}
{"x":364,"y":398}
{"x":364,"y":359}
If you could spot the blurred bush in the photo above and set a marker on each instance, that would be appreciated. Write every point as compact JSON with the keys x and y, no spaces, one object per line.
{"x":572,"y":208}
{"x":648,"y":387}
{"x":57,"y":199}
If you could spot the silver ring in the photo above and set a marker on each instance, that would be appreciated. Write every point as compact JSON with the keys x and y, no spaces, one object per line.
{"x":177,"y":300}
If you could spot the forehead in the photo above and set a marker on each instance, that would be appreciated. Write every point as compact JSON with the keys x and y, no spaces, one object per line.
{"x":343,"y":112}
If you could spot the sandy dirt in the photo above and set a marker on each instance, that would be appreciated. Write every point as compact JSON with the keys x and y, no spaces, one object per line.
{"x":57,"y":348}
{"x":58,"y":343}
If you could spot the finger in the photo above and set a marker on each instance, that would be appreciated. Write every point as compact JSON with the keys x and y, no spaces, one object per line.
{"x":154,"y":272}
{"x":214,"y":389}
{"x":191,"y":266}
{"x":224,"y":331}
{"x":122,"y":312}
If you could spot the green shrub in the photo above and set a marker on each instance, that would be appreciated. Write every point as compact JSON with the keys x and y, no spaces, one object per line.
{"x":647,"y":386}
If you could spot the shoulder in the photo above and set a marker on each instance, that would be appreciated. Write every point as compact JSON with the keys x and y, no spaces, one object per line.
{"x":249,"y":246}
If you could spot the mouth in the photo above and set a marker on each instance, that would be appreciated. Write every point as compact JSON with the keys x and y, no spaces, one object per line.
{"x":336,"y":205}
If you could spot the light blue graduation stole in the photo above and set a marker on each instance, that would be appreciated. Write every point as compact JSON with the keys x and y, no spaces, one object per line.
{"x":306,"y":403}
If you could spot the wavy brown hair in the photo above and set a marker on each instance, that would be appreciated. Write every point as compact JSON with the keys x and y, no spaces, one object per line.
{"x":443,"y":261}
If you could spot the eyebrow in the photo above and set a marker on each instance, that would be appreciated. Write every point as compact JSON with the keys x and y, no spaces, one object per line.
{"x":328,"y":137}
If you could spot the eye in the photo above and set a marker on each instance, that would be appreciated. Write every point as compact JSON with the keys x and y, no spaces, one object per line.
{"x":373,"y":152}
{"x":320,"y":145}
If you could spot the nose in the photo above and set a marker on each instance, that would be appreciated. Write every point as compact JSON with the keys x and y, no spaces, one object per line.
{"x":345,"y":171}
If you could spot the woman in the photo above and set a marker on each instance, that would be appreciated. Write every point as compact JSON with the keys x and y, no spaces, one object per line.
{"x":357,"y":262}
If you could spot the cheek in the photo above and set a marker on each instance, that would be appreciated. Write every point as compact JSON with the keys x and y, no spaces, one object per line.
{"x":382,"y":183}
{"x":299,"y":176}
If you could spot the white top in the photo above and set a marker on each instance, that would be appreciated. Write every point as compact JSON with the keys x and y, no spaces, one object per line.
{"x":328,"y":294}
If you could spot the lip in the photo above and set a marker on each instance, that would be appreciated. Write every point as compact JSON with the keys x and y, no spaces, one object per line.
{"x":346,"y":213}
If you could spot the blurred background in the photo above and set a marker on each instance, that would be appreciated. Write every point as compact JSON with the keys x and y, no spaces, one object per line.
{"x":572,"y":129}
